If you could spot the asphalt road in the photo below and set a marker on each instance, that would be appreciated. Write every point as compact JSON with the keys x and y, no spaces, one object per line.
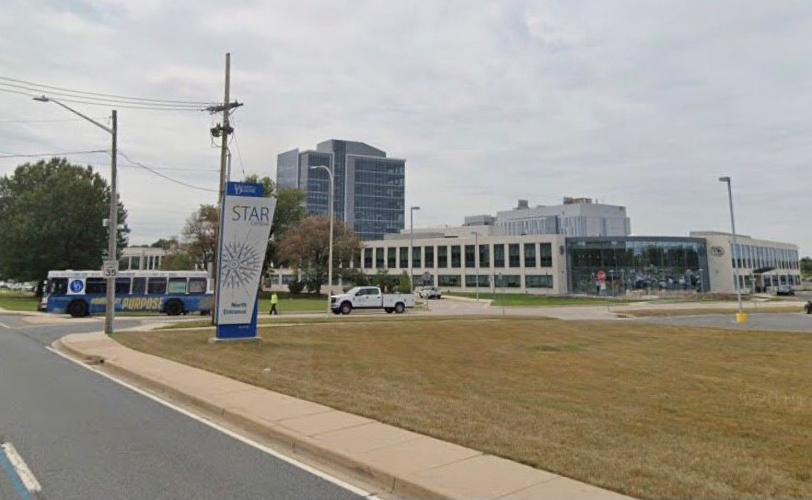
{"x":794,"y":322}
{"x":86,"y":437}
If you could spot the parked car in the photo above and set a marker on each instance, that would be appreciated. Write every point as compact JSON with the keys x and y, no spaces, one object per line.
{"x":430,"y":292}
{"x":370,"y":297}
{"x":784,"y":290}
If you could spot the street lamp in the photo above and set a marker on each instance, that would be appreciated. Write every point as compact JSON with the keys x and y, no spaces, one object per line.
{"x":411,"y":244}
{"x":476,"y":261}
{"x":330,"y":251}
{"x":741,"y":317}
{"x":112,"y":221}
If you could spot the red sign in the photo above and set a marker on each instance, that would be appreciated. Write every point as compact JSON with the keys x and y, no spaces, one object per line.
{"x":601,"y":276}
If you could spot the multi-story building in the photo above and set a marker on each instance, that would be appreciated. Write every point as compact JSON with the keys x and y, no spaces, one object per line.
{"x":141,"y":258}
{"x":560,"y":265}
{"x":369,"y":186}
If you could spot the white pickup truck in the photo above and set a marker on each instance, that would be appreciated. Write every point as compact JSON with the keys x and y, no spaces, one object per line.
{"x":370,"y":297}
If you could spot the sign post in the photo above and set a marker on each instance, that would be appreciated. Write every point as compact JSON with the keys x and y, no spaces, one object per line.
{"x":245,"y":224}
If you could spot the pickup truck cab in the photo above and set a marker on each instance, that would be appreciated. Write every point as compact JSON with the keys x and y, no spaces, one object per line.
{"x":370,"y":297}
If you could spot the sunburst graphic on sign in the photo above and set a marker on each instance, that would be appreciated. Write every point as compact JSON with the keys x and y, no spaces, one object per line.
{"x":241,"y":264}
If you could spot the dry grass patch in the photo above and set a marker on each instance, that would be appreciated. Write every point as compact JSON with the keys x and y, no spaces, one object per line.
{"x":652,"y":411}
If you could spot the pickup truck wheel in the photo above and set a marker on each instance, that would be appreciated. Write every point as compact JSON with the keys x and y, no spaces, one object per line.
{"x":78,"y":308}
{"x":399,"y":308}
{"x":346,"y":308}
{"x":388,"y":310}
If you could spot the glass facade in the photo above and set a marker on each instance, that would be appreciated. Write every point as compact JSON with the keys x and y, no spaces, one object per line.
{"x":429,"y":257}
{"x":442,"y":257}
{"x":484,"y":256}
{"x":529,"y":255}
{"x":613,"y":266}
{"x":499,"y":255}
{"x":513,"y":255}
{"x":470,"y":256}
{"x":455,"y":256}
{"x":378,"y":192}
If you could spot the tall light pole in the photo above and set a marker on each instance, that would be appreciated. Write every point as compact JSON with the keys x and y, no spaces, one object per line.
{"x":741,"y":317}
{"x":330,"y":210}
{"x":112,"y":220}
{"x":476,"y":261}
{"x":411,"y":244}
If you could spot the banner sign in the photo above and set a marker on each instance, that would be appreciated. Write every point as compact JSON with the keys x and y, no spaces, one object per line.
{"x":245,"y":224}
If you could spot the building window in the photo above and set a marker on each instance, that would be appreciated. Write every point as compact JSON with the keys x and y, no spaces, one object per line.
{"x":538,"y":281}
{"x":499,"y":255}
{"x":391,"y":258}
{"x":404,"y":257}
{"x":484,"y":256}
{"x":472,"y":279}
{"x":379,"y":258}
{"x":546,"y":255}
{"x":470,"y":256}
{"x":429,"y":257}
{"x":442,"y":257}
{"x":368,"y":258}
{"x":455,"y":256}
{"x":513,"y":255}
{"x":416,"y":260}
{"x":508,"y":281}
{"x":449,"y":280}
{"x":529,"y":255}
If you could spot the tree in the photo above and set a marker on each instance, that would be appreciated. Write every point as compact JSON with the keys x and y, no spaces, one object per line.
{"x":806,"y":267}
{"x":385,"y":281}
{"x":200,"y":235}
{"x":290,"y":210}
{"x":51,"y":216}
{"x":164,"y":243}
{"x":405,"y":284}
{"x":305,"y":246}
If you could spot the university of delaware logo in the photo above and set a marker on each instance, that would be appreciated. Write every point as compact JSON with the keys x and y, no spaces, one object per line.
{"x":76,"y":286}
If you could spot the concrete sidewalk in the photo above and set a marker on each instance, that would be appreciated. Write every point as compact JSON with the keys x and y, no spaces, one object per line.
{"x":397,"y":462}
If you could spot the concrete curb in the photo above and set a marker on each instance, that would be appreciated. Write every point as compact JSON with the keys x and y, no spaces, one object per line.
{"x":300,"y":445}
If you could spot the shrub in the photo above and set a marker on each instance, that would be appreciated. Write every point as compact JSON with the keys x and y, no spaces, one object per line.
{"x":296,"y":287}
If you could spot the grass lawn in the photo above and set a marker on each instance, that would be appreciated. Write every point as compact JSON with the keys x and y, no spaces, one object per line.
{"x":524,"y":299}
{"x":641,"y":313}
{"x":651,"y":411}
{"x":16,"y":301}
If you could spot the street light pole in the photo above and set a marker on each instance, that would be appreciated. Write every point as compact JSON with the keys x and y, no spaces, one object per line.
{"x":112,"y":220}
{"x":476,"y":260}
{"x":740,"y":317}
{"x":411,"y":245}
{"x":330,"y":210}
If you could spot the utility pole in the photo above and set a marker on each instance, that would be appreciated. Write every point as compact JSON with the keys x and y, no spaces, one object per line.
{"x":222,"y":131}
{"x":112,"y":231}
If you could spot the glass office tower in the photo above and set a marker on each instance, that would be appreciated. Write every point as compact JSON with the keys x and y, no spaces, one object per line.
{"x":369,"y":186}
{"x":637,"y":263}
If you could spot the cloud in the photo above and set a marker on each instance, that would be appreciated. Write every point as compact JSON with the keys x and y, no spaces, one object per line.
{"x":636,"y":103}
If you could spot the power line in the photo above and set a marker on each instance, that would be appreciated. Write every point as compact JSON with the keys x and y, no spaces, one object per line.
{"x":58,"y":120}
{"x":171,"y":179}
{"x":116,"y":96}
{"x":108,"y":104}
{"x":61,"y":153}
{"x":239,"y":155}
{"x":98,"y":101}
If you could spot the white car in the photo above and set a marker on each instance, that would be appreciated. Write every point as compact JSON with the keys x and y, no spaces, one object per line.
{"x":370,"y":297}
{"x":430,"y":292}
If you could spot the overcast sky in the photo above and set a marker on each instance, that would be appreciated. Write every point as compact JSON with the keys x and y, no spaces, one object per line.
{"x":643,"y":104}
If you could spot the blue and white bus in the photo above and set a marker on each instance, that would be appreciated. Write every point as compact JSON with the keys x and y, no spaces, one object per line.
{"x":82,"y":293}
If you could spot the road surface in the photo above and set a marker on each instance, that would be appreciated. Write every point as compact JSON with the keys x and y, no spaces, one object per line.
{"x":84,"y":436}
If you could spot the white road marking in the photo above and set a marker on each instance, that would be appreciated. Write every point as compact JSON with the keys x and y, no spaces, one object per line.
{"x":4,"y":325}
{"x":228,"y":432}
{"x":26,"y":476}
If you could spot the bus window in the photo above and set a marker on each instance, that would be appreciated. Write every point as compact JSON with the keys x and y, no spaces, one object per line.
{"x":197,"y":285}
{"x":58,"y":286}
{"x":122,"y":286}
{"x":177,"y":286}
{"x":95,"y":286}
{"x":139,"y":286}
{"x":156,"y":286}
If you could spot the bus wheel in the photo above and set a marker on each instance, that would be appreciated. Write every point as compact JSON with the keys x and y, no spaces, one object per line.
{"x":174,"y":308}
{"x":78,"y":308}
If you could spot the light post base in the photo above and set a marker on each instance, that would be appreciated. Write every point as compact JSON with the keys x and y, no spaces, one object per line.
{"x":741,"y":318}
